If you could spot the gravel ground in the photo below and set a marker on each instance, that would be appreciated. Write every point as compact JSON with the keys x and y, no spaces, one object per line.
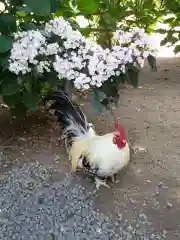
{"x":33,"y":208}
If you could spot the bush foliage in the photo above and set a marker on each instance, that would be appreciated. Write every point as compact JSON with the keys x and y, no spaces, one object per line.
{"x":24,"y":91}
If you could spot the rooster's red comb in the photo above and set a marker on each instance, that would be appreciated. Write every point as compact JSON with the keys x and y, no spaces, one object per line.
{"x":118,"y":127}
{"x":120,"y":130}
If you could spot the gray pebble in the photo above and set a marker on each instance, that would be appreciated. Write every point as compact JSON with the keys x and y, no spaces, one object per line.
{"x":169,"y":205}
{"x":129,"y":228}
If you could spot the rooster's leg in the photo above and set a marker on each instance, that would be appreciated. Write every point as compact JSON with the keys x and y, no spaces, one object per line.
{"x":113,"y":179}
{"x":99,"y":182}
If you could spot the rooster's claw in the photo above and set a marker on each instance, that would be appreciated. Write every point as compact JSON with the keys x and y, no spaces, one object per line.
{"x":100,"y":182}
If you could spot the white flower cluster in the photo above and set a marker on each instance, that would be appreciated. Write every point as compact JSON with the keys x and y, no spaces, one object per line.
{"x":25,"y":50}
{"x":139,"y":44}
{"x":59,"y":27}
{"x":74,"y":57}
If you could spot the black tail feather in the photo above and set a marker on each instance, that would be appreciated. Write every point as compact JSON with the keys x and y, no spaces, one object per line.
{"x":68,"y":113}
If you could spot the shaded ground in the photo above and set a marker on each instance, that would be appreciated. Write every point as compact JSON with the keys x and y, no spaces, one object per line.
{"x":147,"y":197}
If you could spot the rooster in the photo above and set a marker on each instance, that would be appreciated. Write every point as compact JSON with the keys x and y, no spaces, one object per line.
{"x":101,"y":156}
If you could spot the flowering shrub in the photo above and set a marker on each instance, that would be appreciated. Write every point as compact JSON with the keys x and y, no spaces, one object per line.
{"x":38,"y":57}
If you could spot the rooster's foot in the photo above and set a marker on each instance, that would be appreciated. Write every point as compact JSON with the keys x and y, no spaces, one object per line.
{"x":100,"y":182}
{"x":113,"y":179}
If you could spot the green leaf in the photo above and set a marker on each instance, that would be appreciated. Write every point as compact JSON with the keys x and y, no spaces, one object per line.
{"x":110,"y":20}
{"x":152,"y":62}
{"x":147,"y":4}
{"x":12,"y":100}
{"x":4,"y":60}
{"x":119,"y":13}
{"x":31,"y":100}
{"x":161,"y":31}
{"x":26,"y":81}
{"x":133,"y":77}
{"x":173,"y":5}
{"x":20,"y":80}
{"x":7,"y":23}
{"x":54,"y":5}
{"x":16,"y":2}
{"x":9,"y":84}
{"x":66,"y":11}
{"x":28,"y":26}
{"x":40,"y":7}
{"x":5,"y":43}
{"x":28,"y":86}
{"x":88,"y":7}
{"x":177,"y":49}
{"x":45,"y":87}
{"x":97,"y":97}
{"x":173,"y":40}
{"x":164,"y":42}
{"x":110,"y":89}
{"x":169,"y":20}
{"x":85,"y":31}
{"x":22,"y":11}
{"x":170,"y":38}
{"x":73,"y":23}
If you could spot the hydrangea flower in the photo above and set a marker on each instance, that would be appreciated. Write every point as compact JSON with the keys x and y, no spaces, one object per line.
{"x":75,"y":58}
{"x":24,"y":51}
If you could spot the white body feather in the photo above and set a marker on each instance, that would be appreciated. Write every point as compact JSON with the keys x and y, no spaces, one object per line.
{"x":101,"y":152}
{"x":107,"y":156}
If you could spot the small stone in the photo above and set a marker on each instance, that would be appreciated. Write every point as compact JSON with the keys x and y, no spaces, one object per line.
{"x":16,"y":160}
{"x":145,"y":238}
{"x":99,"y":230}
{"x":169,"y":205}
{"x":153,"y":236}
{"x":132,"y":201}
{"x":164,"y":187}
{"x":129,"y":228}
{"x":156,"y":204}
{"x":143,"y":217}
{"x":156,"y":193}
{"x":138,"y":148}
{"x":21,"y":139}
{"x":52,"y":236}
{"x":137,"y":226}
{"x":4,"y":105}
{"x":147,"y":181}
{"x":160,"y":184}
{"x":40,"y":200}
{"x":120,"y":217}
{"x":164,"y":233}
{"x":57,"y":158}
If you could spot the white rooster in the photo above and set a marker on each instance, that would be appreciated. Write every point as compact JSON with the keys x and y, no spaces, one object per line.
{"x":102,"y":156}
